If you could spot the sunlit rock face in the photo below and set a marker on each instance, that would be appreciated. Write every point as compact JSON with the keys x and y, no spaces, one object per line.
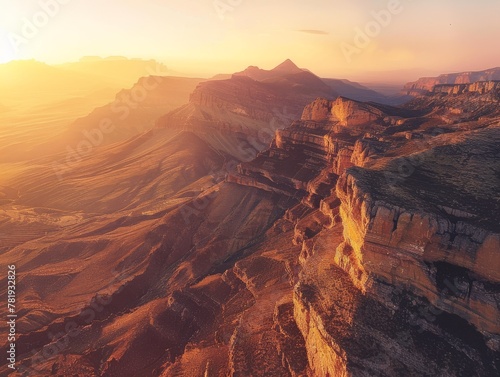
{"x":399,"y":252}
{"x":346,"y":112}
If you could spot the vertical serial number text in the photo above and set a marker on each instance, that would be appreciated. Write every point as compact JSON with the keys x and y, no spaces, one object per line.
{"x":11,"y":316}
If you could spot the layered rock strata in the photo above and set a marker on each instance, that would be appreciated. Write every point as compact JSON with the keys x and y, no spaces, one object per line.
{"x":239,"y":116}
{"x":399,"y":260}
{"x":426,"y":84}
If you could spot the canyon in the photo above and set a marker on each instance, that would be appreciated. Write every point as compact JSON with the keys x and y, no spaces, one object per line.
{"x":426,"y":84}
{"x":271,"y":226}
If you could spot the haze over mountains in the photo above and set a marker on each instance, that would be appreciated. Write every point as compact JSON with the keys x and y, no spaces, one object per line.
{"x":42,"y":97}
{"x":272,"y":223}
{"x":26,"y":82}
{"x":80,"y":90}
{"x":337,"y":86}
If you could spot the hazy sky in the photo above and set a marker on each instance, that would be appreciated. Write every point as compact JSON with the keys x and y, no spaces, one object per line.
{"x":334,"y":38}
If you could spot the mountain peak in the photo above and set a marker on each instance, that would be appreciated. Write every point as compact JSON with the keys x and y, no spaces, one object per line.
{"x":287,"y":66}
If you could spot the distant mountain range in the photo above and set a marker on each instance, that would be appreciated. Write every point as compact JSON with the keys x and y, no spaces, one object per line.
{"x":31,"y":82}
{"x":136,"y":109}
{"x":290,"y":71}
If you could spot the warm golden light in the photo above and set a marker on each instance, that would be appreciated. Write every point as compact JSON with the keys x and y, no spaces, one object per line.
{"x":208,"y":37}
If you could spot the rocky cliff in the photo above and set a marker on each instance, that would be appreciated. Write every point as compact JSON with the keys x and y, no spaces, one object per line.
{"x":399,"y":255}
{"x":239,"y":116}
{"x":481,"y":87}
{"x":425,"y":84}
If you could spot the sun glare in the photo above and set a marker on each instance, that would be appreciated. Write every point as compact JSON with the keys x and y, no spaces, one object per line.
{"x":6,"y":53}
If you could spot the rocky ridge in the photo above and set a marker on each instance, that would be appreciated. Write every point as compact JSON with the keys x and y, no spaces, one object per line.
{"x":229,"y":113}
{"x":289,"y":71}
{"x":480,"y":87}
{"x":426,"y":84}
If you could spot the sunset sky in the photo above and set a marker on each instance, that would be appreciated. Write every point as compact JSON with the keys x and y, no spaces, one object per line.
{"x":194,"y":37}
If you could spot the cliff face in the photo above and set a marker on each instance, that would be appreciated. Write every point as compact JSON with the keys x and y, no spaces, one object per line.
{"x":399,"y":255}
{"x":307,"y":157}
{"x":239,"y":116}
{"x":482,"y":87}
{"x":412,"y":241}
{"x":346,"y":112}
{"x":426,"y":84}
{"x":460,"y":103}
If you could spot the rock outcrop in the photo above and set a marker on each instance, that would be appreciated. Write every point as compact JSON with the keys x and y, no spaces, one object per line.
{"x":426,"y":84}
{"x":482,"y":87}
